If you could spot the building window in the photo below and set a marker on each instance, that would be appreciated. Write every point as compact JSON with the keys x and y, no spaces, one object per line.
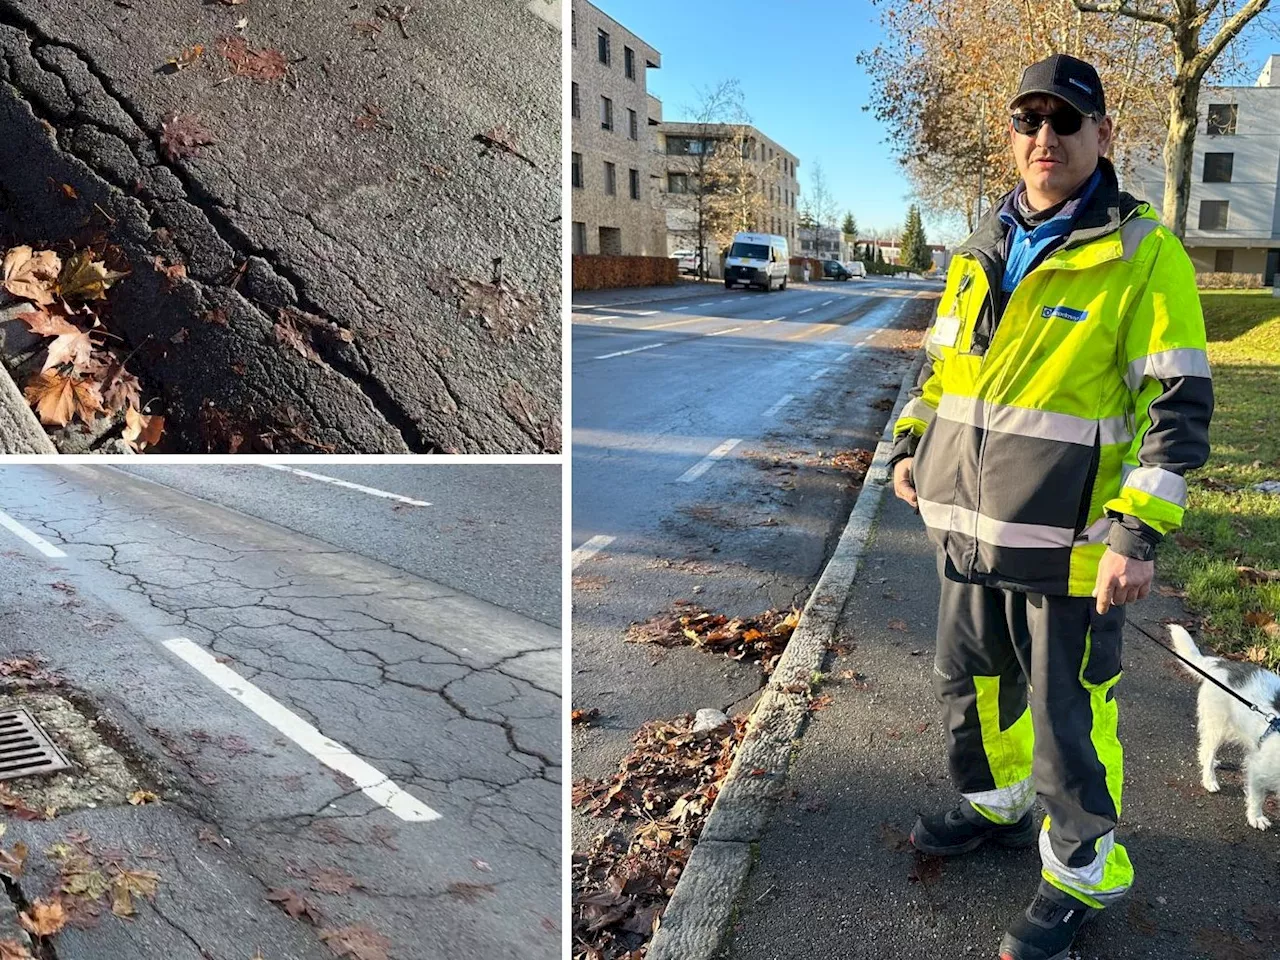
{"x":1217,"y":167}
{"x":629,"y":63}
{"x":610,"y":178}
{"x":1224,"y":261}
{"x":577,"y":169}
{"x":677,"y":183}
{"x":611,"y":241}
{"x":602,"y":47}
{"x":633,"y":126}
{"x":573,"y":26}
{"x":635,"y":184}
{"x":684,"y":146}
{"x":1222,"y":118}
{"x":1213,"y":214}
{"x":579,"y":237}
{"x":576,"y":104}
{"x":606,"y":114}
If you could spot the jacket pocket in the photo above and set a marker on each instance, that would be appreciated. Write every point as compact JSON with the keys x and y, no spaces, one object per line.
{"x":1086,"y":499}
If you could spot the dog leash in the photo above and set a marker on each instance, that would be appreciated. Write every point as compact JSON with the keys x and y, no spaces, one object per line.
{"x":1273,"y":721}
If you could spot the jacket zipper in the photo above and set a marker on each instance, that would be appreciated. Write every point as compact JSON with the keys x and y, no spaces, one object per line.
{"x":986,"y":407}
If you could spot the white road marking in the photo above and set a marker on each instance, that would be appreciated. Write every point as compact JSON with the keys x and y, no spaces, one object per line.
{"x":375,"y":785}
{"x":779,"y":405}
{"x":37,"y":541}
{"x":806,"y":310}
{"x":672,"y":323}
{"x":372,"y":491}
{"x":706,"y":463}
{"x":611,"y":316}
{"x":681,"y":308}
{"x":818,"y":373}
{"x":825,"y":302}
{"x":709,"y":303}
{"x":721,"y":332}
{"x":623,"y":353}
{"x":730,"y":300}
{"x":843,"y":357}
{"x":589,"y":550}
{"x":646,"y":313}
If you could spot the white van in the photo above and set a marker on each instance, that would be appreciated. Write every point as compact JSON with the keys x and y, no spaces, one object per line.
{"x":856,"y":268}
{"x":758,"y":260}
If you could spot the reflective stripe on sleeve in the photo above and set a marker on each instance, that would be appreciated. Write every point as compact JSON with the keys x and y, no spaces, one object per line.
{"x":1168,"y":364}
{"x":1158,"y":482}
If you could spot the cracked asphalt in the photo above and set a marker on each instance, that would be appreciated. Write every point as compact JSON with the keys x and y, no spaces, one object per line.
{"x":452,"y":699}
{"x":375,"y":236}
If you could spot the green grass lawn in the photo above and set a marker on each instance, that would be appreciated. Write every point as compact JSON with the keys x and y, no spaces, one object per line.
{"x":1227,"y":523}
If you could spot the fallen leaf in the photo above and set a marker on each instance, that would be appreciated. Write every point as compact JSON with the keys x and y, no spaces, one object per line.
{"x":261,"y":66}
{"x":897,"y":623}
{"x":57,"y":399}
{"x":287,"y":333}
{"x":84,"y":278}
{"x":295,"y":905}
{"x":821,"y":703}
{"x":357,"y":943}
{"x":44,"y":919}
{"x":584,"y":717}
{"x":81,"y":879}
{"x":173,"y":272}
{"x":182,"y":135}
{"x":12,"y":862}
{"x":13,"y":950}
{"x":141,"y":431}
{"x":186,"y":58}
{"x":139,"y":797}
{"x":470,"y":892}
{"x":332,"y":880}
{"x":128,"y":884}
{"x":32,"y":275}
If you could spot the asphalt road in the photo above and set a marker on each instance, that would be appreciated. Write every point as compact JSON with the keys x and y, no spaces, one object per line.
{"x":312,"y":720}
{"x":778,"y":384}
{"x":490,"y":531}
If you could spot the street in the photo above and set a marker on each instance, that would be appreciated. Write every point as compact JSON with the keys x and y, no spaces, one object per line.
{"x":309,"y":710}
{"x":707,"y":467}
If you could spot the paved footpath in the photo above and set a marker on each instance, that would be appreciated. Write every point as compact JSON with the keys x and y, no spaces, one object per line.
{"x":833,"y":877}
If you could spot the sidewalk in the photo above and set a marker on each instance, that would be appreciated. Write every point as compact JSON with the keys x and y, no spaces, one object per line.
{"x":834,"y":877}
{"x":621,"y":296}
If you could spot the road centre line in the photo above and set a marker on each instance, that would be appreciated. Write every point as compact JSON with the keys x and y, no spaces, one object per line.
{"x":612,"y":316}
{"x":372,"y":491}
{"x":679,"y":308}
{"x":672,"y":323}
{"x":843,"y":357}
{"x":818,"y":373}
{"x":589,"y":550}
{"x":646,"y":313}
{"x":623,"y":353}
{"x":37,"y":541}
{"x":375,"y":785}
{"x":709,"y":303}
{"x":722,"y":332}
{"x":779,"y":405}
{"x":806,"y":310}
{"x":706,"y":463}
{"x":825,"y":302}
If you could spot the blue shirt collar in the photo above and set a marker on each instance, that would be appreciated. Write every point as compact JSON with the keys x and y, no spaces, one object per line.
{"x":1063,"y":218}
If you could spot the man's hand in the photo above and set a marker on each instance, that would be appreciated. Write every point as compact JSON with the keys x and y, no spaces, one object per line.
{"x":1121,"y":580}
{"x":903,"y":486}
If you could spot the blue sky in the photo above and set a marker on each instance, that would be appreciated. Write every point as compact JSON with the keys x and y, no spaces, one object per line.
{"x":780,"y":47}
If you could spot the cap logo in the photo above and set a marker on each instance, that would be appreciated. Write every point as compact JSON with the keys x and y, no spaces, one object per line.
{"x":1074,"y":82}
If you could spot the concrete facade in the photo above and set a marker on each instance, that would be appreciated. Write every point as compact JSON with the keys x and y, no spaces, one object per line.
{"x":613,"y":189}
{"x":1239,"y":133}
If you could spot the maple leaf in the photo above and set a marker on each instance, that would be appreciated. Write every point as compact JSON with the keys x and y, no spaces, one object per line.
{"x":142,"y":431}
{"x":357,"y":943}
{"x":57,"y":399}
{"x":11,"y":863}
{"x":84,"y":278}
{"x":182,"y":135}
{"x":139,"y":797}
{"x":173,"y":273}
{"x":502,"y":309}
{"x":332,"y":880}
{"x":45,"y":918}
{"x":31,"y":275}
{"x":83,"y":880}
{"x":262,"y":66}
{"x":185,"y":59}
{"x":295,"y":905}
{"x":13,"y":950}
{"x":126,"y":885}
{"x":73,"y":347}
{"x":120,"y":389}
{"x":287,"y":333}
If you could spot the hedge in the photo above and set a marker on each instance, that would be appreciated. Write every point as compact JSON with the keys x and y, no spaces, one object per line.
{"x":1224,"y":281}
{"x":599,"y":272}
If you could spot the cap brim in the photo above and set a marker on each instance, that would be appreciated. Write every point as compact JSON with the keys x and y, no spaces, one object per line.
{"x":1071,"y":96}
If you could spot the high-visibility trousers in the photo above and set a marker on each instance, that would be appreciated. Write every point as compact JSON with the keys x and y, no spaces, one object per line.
{"x":1027,"y":685}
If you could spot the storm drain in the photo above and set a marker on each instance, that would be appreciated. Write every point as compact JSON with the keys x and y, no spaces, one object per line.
{"x":25,"y":749}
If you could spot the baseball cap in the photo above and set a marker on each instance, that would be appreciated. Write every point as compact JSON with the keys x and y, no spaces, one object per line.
{"x":1066,"y":77}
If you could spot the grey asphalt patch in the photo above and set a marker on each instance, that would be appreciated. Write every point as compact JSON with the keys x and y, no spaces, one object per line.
{"x":698,"y":914}
{"x":373,"y":234}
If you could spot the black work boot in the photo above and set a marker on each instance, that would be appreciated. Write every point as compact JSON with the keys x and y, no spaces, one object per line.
{"x":1044,"y":931}
{"x":964,"y":828}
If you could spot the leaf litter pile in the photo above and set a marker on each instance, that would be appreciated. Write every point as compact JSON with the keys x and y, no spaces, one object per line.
{"x":664,"y":789}
{"x":762,"y":637}
{"x":83,"y":376}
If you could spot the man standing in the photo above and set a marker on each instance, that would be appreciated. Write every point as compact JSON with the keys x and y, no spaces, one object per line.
{"x":1066,"y":392}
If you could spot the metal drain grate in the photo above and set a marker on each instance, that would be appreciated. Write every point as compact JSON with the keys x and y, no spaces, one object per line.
{"x":25,"y":749}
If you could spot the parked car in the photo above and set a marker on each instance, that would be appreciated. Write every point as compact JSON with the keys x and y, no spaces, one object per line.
{"x":835,"y":270}
{"x":856,"y":268}
{"x":757,"y":259}
{"x":687,"y":261}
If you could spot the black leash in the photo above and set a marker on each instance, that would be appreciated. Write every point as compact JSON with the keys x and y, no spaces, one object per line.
{"x":1273,"y":721}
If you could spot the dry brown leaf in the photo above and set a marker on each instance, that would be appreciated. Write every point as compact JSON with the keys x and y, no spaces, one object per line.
{"x":84,"y":278}
{"x":32,"y":275}
{"x":121,"y":389}
{"x":287,"y":333}
{"x":295,"y":905}
{"x":182,"y":135}
{"x":142,"y":431}
{"x":332,"y":880}
{"x":186,"y":58}
{"x":57,"y":399}
{"x":45,"y":324}
{"x":259,"y":65}
{"x":502,"y":309}
{"x":357,"y":943}
{"x":72,"y":348}
{"x":44,"y":919}
{"x":585,"y":717}
{"x":12,"y":862}
{"x":140,"y":797}
{"x":13,"y":950}
{"x":173,"y":273}
{"x":128,"y":884}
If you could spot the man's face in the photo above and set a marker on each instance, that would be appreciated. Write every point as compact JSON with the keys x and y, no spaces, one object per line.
{"x":1053,"y":165}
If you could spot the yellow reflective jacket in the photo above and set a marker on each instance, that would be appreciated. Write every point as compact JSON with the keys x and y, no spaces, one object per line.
{"x":1038,"y":429}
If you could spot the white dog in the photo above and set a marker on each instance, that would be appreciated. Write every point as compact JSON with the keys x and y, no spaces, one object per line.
{"x":1224,"y":718}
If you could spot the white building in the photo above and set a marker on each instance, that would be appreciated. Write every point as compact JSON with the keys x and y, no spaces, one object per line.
{"x":1233,"y":217}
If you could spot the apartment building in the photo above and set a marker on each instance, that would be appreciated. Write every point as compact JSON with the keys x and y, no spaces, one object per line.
{"x":1233,"y":218}
{"x":772,"y":168}
{"x":613,"y":142}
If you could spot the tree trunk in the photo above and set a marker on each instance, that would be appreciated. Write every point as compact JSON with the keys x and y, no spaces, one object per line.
{"x":1180,"y":143}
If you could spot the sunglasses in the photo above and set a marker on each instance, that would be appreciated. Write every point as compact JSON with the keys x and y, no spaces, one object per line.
{"x":1063,"y":122}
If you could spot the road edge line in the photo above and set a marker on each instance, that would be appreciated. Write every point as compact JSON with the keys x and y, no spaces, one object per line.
{"x":706,"y":897}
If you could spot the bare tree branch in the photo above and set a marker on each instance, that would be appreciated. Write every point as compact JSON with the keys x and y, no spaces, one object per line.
{"x":1226,"y":33}
{"x":1118,"y":6}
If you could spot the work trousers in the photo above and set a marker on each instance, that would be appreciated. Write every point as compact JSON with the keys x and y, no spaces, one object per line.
{"x":1027,"y":685}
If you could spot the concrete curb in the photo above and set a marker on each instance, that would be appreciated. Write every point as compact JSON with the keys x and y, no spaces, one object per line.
{"x":683,"y":295}
{"x":20,"y":431}
{"x":702,"y":906}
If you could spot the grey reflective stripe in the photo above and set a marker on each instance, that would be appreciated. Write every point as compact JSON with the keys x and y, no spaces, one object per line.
{"x":1009,"y":803}
{"x":1168,"y":364}
{"x":998,"y":533}
{"x":1040,"y":424}
{"x":917,"y":409}
{"x":1086,"y":879}
{"x":1133,"y":233}
{"x":1097,"y":531}
{"x":1158,"y":482}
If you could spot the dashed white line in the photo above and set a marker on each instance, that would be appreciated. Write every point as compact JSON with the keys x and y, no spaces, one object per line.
{"x":825,"y":302}
{"x":623,"y":353}
{"x":779,"y":405}
{"x":646,"y":313}
{"x":375,"y":785}
{"x":719,"y":333}
{"x":707,"y":462}
{"x":372,"y":491}
{"x":843,"y":357}
{"x":680,"y":308}
{"x":818,"y":373}
{"x":612,"y":316}
{"x":37,"y":541}
{"x":709,"y":303}
{"x":806,"y":310}
{"x":589,"y":550}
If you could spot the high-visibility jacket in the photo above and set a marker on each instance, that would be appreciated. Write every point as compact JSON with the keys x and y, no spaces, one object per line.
{"x":1036,"y":428}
